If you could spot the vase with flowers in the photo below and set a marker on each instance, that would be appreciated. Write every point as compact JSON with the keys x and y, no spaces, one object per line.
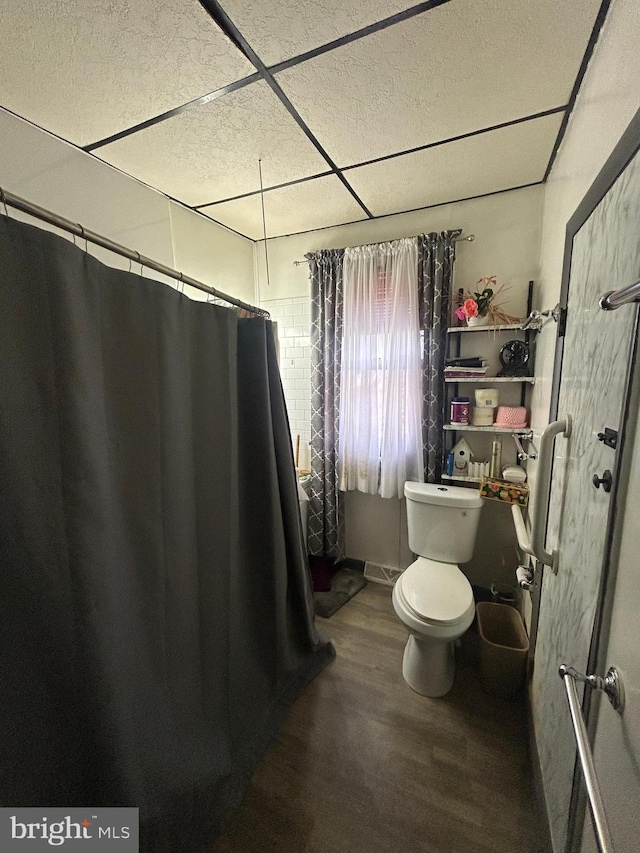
{"x":480,"y":308}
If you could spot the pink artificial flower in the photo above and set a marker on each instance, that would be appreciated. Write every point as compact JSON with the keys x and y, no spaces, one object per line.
{"x":470,"y":308}
{"x":460,"y":314}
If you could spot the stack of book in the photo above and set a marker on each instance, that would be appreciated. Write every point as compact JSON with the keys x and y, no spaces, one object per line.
{"x":465,"y":368}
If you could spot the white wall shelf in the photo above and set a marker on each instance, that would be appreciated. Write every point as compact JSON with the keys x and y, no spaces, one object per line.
{"x":456,"y":478}
{"x":524,"y":433}
{"x":510,"y":328}
{"x":463,"y":380}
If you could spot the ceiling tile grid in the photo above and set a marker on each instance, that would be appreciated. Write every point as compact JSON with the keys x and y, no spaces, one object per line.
{"x":301,"y":207}
{"x":279,"y":31}
{"x":211,"y":152}
{"x":490,"y":162}
{"x":85,"y":69}
{"x":457,"y":68}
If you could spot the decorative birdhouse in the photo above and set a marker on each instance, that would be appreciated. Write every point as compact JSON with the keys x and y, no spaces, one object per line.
{"x":461,"y":458}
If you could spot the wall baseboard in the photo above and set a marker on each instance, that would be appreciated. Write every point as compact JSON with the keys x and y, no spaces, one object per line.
{"x":350,"y":563}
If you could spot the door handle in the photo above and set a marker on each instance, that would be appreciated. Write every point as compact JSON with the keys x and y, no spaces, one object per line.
{"x":606,"y":481}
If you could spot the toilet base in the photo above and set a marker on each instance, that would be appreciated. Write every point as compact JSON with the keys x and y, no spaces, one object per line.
{"x":429,"y":666}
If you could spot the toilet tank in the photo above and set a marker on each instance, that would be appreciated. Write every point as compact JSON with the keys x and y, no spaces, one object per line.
{"x":442,"y":521}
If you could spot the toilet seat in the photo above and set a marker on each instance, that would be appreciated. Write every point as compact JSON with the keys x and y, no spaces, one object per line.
{"x":435,"y":593}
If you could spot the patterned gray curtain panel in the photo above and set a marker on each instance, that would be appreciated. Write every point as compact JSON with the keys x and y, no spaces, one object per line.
{"x":436,"y":254}
{"x":326,"y":519}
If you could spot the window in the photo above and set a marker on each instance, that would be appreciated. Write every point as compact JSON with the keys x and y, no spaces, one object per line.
{"x":381,"y":386}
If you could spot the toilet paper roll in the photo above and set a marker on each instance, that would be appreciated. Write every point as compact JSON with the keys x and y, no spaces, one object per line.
{"x":481,"y":416}
{"x":486,"y":397}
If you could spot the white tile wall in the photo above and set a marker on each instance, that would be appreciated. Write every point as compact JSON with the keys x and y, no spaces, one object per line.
{"x":293,"y":319}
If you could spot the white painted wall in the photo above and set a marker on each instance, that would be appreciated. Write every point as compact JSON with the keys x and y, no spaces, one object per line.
{"x":57,"y":176}
{"x":507,"y":230}
{"x":608,"y":100}
{"x":212,"y":254}
{"x":506,"y":225}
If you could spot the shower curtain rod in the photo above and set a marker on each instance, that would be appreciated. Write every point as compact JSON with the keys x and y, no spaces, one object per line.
{"x":11,"y":200}
{"x":468,"y":239}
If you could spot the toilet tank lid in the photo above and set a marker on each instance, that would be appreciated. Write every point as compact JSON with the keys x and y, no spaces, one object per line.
{"x":432,"y":493}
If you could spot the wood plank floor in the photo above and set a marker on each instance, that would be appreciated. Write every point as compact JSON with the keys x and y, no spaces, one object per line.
{"x":364,"y":765}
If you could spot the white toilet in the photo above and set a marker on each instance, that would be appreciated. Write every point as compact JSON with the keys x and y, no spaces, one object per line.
{"x":432,"y":597}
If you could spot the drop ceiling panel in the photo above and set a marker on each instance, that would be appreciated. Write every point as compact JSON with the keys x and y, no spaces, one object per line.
{"x":278,"y":31}
{"x":501,"y":159}
{"x":457,"y":68}
{"x":85,"y":69}
{"x":211,"y":152}
{"x":302,"y":207}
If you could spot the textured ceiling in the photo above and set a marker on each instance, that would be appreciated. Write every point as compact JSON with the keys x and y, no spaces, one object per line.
{"x":301,"y":207}
{"x":212,"y":152}
{"x":463,"y":66}
{"x":117,"y":77}
{"x":278,"y":31}
{"x":87,"y":68}
{"x":489,"y":162}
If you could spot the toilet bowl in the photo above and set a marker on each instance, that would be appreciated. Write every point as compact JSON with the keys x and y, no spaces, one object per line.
{"x":432,"y":597}
{"x":435,"y":602}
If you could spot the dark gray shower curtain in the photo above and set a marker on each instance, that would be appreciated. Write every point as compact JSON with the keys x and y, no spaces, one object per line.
{"x":156,"y":613}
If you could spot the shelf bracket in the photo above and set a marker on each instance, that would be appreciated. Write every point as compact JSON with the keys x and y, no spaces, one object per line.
{"x":535,"y":320}
{"x":522,"y":453}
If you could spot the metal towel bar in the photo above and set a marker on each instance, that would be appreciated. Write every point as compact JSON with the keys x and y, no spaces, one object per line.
{"x":612,"y":687}
{"x":615,"y":298}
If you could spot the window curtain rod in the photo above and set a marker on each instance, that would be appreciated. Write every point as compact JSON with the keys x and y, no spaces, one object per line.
{"x":9,"y":200}
{"x":468,"y":239}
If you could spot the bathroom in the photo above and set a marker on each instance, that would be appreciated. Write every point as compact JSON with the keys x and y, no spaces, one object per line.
{"x":543,"y":120}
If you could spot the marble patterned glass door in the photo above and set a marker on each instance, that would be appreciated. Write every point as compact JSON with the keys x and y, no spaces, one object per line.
{"x":597,"y":347}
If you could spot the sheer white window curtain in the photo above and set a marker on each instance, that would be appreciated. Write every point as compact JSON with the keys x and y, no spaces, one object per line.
{"x":381,"y":393}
